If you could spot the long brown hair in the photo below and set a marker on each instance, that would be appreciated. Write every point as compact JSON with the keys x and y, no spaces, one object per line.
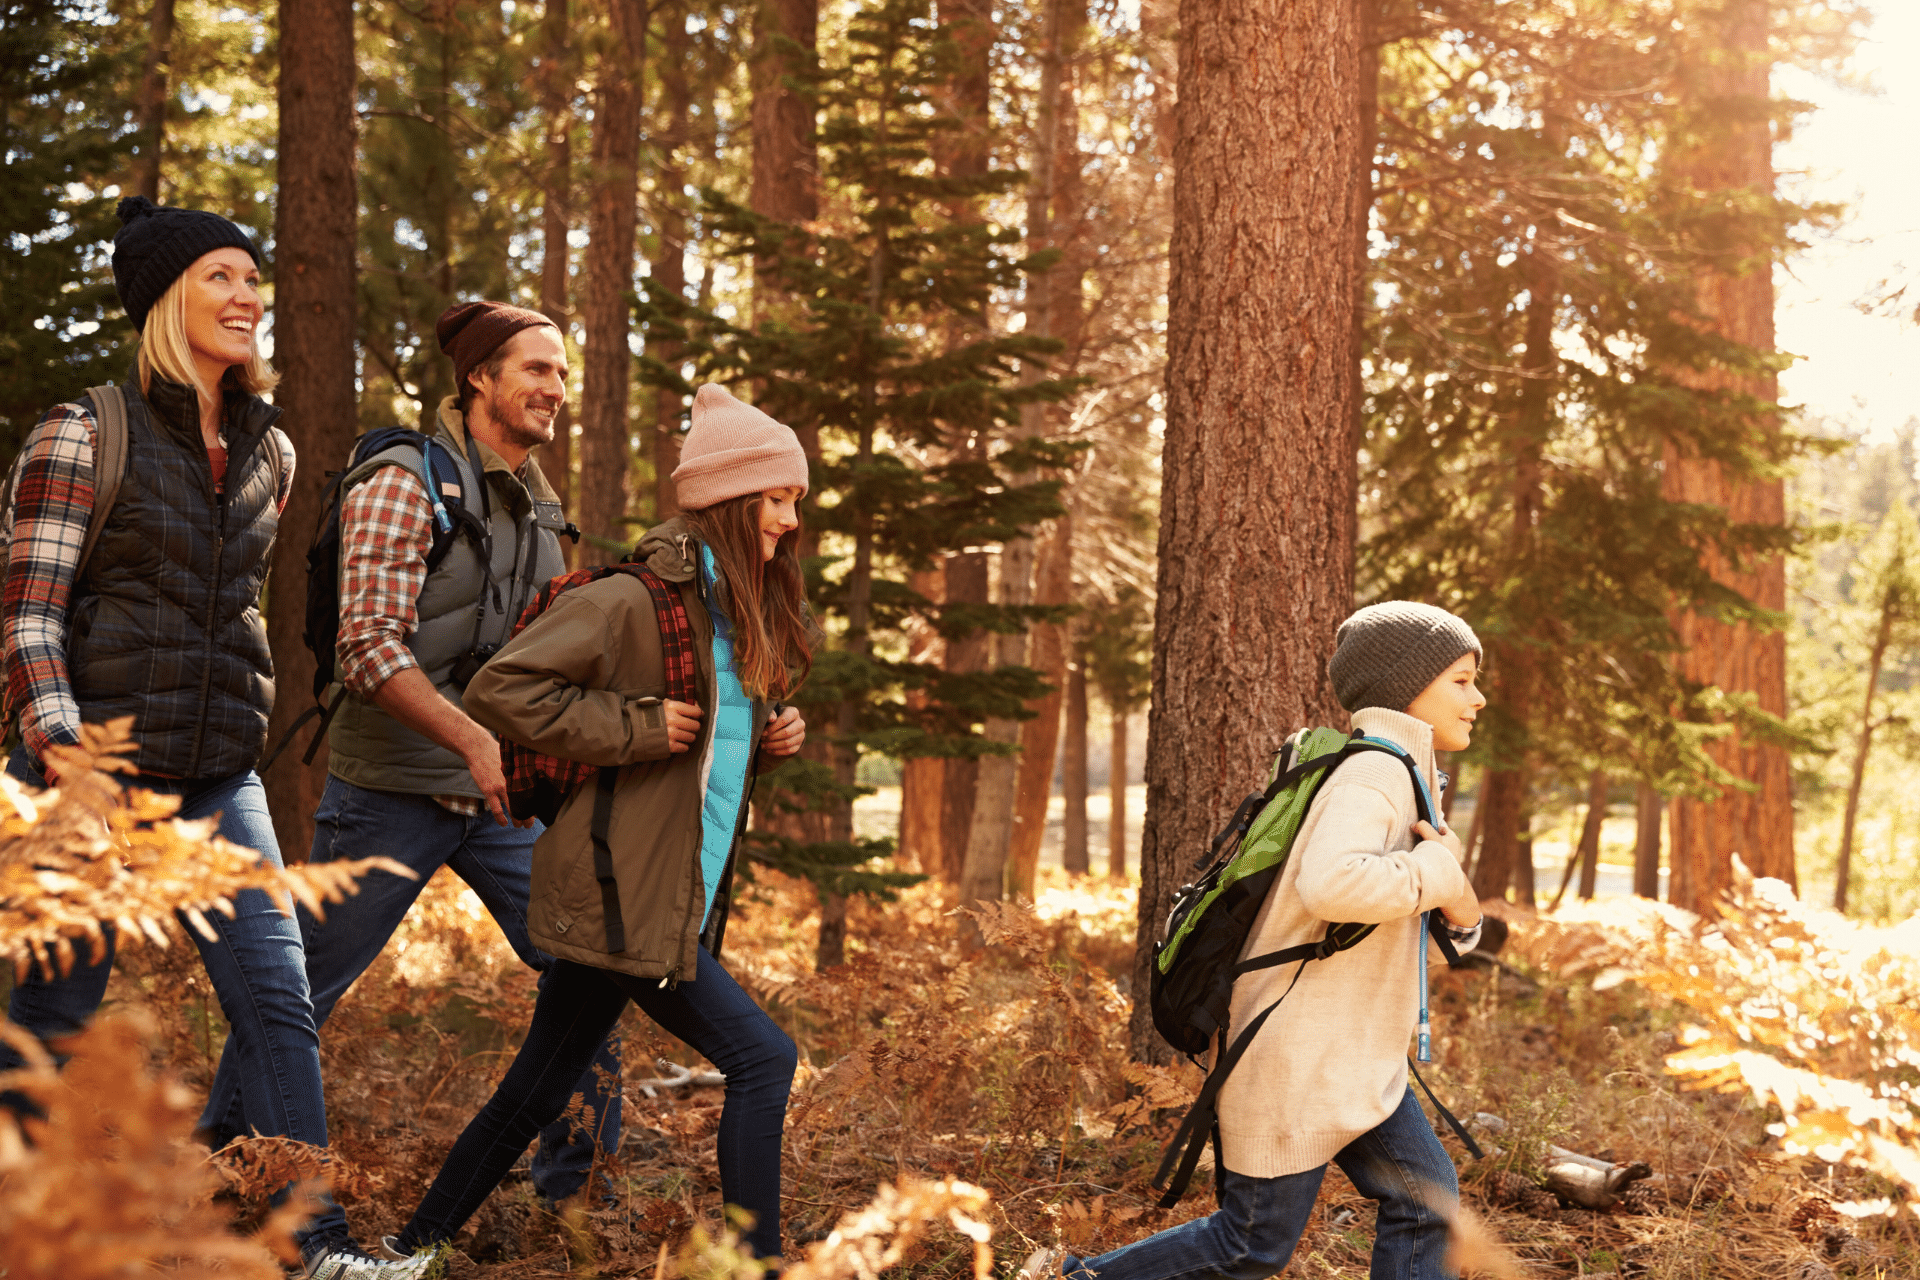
{"x":766,"y":599}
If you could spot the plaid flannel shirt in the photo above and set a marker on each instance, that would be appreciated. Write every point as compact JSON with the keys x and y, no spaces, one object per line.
{"x":47,"y":521}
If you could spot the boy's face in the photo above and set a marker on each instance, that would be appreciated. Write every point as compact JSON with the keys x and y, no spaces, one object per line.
{"x":1450,"y":704}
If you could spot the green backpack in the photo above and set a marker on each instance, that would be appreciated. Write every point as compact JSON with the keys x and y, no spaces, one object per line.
{"x":1198,"y":959}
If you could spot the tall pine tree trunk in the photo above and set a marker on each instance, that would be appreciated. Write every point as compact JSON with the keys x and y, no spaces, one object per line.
{"x":1040,"y":736}
{"x":1648,"y":809}
{"x":785,"y":178}
{"x":1589,"y":852}
{"x":556,"y":220}
{"x":1843,"y":869}
{"x":1117,"y":793}
{"x":151,"y":111}
{"x":313,"y":325}
{"x":1259,"y":384}
{"x":989,"y":843}
{"x":1732,"y":155}
{"x":921,"y":776}
{"x":1075,"y":856}
{"x":605,"y":479}
{"x":1503,"y":798}
{"x":669,"y":266}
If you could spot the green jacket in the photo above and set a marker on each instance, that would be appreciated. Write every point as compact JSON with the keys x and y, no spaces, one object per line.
{"x":584,"y":682}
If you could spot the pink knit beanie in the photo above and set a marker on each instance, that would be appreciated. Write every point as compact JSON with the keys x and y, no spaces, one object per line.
{"x":734,"y":449}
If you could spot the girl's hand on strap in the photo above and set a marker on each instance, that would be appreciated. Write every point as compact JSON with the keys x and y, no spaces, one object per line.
{"x":785,"y":732}
{"x":683,"y":725}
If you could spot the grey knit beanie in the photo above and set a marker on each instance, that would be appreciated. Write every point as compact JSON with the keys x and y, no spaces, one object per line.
{"x":1386,"y":654}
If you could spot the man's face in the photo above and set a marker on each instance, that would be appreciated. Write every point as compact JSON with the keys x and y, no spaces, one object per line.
{"x":523,"y":400}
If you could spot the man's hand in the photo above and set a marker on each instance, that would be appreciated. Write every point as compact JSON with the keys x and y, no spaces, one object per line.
{"x":683,"y":725}
{"x":785,"y":733}
{"x":481,"y":750}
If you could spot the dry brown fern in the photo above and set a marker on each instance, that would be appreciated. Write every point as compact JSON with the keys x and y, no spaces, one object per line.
{"x":93,"y":852}
{"x":110,"y":1184}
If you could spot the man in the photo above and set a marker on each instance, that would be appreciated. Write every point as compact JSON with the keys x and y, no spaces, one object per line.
{"x":411,"y":775}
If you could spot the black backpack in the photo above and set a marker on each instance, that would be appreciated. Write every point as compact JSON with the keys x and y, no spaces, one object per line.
{"x":1197,"y":958}
{"x":451,"y":519}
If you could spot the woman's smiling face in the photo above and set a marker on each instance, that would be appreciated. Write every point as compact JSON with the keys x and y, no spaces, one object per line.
{"x":779,"y":516}
{"x":223,"y":307}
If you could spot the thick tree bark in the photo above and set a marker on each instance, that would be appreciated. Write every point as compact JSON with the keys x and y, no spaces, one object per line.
{"x":605,"y":476}
{"x":144,"y":175}
{"x":313,"y":326}
{"x":1040,"y":736}
{"x":1259,"y":384}
{"x":1843,"y":869}
{"x":556,"y":220}
{"x":669,"y":266}
{"x":1074,"y":854}
{"x":785,"y":182}
{"x":1648,"y":810}
{"x":1733,"y":155}
{"x":1117,"y":793}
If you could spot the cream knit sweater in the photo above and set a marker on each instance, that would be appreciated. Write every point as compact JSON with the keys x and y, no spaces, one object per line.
{"x":1331,"y":1063}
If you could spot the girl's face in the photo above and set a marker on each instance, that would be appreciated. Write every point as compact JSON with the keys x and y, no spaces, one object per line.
{"x":1450,"y":704}
{"x":779,"y":516}
{"x":223,"y":307}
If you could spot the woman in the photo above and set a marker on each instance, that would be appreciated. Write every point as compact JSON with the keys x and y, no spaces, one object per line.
{"x":162,"y":623}
{"x":587,"y":681}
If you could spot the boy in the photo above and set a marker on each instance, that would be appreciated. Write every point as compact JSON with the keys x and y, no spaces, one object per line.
{"x":1326,"y":1078}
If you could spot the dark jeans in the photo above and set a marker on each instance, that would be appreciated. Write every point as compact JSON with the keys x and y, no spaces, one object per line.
{"x":497,"y":863}
{"x":1398,"y":1163}
{"x":577,"y":1006}
{"x":258,"y":973}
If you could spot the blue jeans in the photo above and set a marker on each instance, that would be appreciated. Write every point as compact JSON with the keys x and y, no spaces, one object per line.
{"x":1398,"y":1163}
{"x":497,"y":863}
{"x":577,"y":1006}
{"x":257,"y":970}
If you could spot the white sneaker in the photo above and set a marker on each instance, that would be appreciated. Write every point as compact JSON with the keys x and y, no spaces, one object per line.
{"x":350,"y":1263}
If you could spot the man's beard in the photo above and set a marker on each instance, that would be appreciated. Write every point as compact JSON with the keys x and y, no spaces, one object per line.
{"x":516,"y":427}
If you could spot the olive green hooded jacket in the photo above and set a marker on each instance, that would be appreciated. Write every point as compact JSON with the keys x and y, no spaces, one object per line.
{"x":585,"y":682}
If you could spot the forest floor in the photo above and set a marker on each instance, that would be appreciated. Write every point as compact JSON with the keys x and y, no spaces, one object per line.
{"x":1008,"y":1068}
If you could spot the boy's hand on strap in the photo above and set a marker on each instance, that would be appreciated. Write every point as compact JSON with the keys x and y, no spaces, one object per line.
{"x":1448,"y":838}
{"x":1463,"y":911}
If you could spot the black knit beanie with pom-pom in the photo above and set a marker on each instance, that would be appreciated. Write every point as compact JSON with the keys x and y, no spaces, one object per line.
{"x":156,"y":243}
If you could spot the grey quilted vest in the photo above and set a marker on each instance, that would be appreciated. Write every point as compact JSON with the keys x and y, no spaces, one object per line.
{"x":466,"y":602}
{"x":166,"y":620}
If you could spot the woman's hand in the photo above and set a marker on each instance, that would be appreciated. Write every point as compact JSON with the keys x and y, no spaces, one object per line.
{"x":785,"y":733}
{"x":683,"y":725}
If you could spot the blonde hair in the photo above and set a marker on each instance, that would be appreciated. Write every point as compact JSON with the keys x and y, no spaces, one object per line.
{"x":164,"y":349}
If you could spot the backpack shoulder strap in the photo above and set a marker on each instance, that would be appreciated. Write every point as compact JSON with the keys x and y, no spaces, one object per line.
{"x":676,"y":632}
{"x":109,"y":460}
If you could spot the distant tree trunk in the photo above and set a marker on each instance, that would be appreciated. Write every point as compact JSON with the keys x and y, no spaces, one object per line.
{"x":967,"y":581}
{"x":1648,"y":807}
{"x":1733,"y":154}
{"x":605,"y":479}
{"x":1117,"y":791}
{"x":1259,"y":384}
{"x":556,"y":220}
{"x":1585,"y":855}
{"x":313,"y":320}
{"x":921,"y":777}
{"x":144,"y":176}
{"x":1074,"y":855}
{"x":669,"y":266}
{"x":1503,"y":798}
{"x":1040,"y":736}
{"x":989,"y":843}
{"x":1590,"y":835}
{"x":1882,"y":637}
{"x":1526,"y":889}
{"x":1476,"y":828}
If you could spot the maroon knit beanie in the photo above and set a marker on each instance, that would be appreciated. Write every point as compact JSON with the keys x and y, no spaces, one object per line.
{"x":472,"y":331}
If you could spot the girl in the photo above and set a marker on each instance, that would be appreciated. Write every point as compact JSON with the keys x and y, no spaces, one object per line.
{"x":588,"y":680}
{"x":1326,"y":1077}
{"x":162,"y":622}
